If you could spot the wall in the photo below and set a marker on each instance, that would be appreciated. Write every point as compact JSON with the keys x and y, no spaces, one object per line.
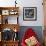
{"x":26,"y":3}
{"x":33,"y":3}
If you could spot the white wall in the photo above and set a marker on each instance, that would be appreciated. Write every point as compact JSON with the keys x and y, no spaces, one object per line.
{"x":26,"y":3}
{"x":32,"y":3}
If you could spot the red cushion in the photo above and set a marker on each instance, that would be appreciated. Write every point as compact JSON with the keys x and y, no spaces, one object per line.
{"x":29,"y":33}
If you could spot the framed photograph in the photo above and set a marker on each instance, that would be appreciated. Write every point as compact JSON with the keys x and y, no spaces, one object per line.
{"x":13,"y":12}
{"x":29,"y":13}
{"x":5,"y":12}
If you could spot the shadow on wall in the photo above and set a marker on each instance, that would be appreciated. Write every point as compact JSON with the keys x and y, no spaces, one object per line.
{"x":37,"y":29}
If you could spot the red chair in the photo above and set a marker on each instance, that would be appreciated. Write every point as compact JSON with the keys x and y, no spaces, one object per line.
{"x":29,"y":33}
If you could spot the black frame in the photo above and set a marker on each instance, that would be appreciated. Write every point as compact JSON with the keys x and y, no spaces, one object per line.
{"x":26,"y":13}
